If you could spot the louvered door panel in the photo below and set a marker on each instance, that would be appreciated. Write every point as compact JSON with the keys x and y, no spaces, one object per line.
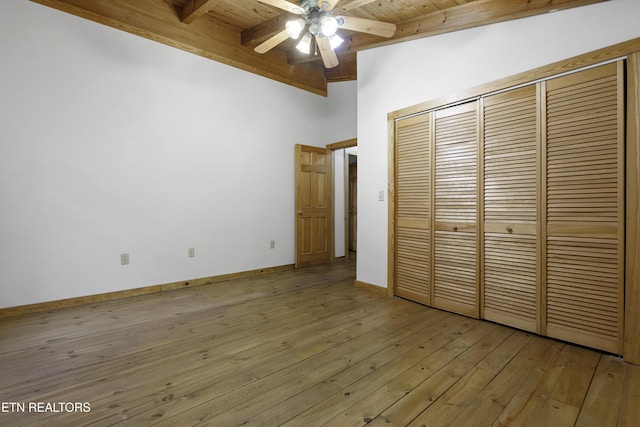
{"x":585,"y":203}
{"x":510,"y":208}
{"x":413,"y":209}
{"x":455,"y":242}
{"x":510,"y":277}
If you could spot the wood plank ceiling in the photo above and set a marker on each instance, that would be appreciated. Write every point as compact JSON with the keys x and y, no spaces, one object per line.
{"x":228,"y":30}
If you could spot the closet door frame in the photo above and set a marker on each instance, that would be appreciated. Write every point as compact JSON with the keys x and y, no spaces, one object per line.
{"x":631,"y":352}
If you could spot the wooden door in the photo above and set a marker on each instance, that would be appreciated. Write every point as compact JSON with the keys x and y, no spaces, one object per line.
{"x":413,"y":209}
{"x":455,"y":247}
{"x":585,"y":207}
{"x":511,"y":141}
{"x":312,"y":171}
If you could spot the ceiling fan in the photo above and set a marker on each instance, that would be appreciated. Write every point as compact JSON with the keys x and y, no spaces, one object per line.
{"x":318,"y":20}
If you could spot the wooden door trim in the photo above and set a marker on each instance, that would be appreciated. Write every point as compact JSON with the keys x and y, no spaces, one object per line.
{"x":632,"y":271}
{"x":391,"y":205}
{"x":347,"y":143}
{"x":541,"y":240}
{"x":480,"y":210}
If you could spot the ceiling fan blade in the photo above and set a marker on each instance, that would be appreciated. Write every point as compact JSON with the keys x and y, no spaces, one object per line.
{"x":284,"y":5}
{"x":328,"y":55}
{"x":369,"y":26}
{"x":272,"y":42}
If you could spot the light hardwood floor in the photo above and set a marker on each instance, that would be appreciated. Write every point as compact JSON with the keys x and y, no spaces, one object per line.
{"x":300,"y":348}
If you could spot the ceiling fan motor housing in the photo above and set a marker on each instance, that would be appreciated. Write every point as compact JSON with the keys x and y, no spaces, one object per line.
{"x":315,"y":14}
{"x":307,"y":5}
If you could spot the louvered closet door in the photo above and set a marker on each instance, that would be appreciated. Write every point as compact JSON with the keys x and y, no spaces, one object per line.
{"x":510,"y":208}
{"x":455,"y":242}
{"x":413,"y":208}
{"x":585,"y":203}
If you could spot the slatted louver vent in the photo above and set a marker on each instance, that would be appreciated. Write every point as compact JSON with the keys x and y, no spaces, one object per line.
{"x":510,"y":280}
{"x":582,"y":160}
{"x":582,"y":291}
{"x":584,"y":208}
{"x":413,"y":208}
{"x":510,"y":150}
{"x":510,"y":208}
{"x":455,"y":247}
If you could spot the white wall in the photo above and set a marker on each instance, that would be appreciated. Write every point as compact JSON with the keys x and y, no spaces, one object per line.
{"x":405,"y":74}
{"x":111,"y":143}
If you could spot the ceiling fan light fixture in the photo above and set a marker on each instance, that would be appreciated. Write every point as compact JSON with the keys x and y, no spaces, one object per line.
{"x":315,"y":27}
{"x":335,"y":41}
{"x":304,"y":45}
{"x":319,"y":27}
{"x":329,"y":25}
{"x":295,"y":27}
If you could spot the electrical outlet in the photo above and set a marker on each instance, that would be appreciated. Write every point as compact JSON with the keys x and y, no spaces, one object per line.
{"x":192,"y":252}
{"x":272,"y":244}
{"x":124,"y":259}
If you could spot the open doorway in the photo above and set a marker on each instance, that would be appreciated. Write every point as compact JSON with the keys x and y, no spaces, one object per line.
{"x":345,"y":200}
{"x":352,"y":201}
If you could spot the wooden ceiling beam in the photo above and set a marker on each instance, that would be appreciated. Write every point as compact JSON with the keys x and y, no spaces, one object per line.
{"x":259,"y":33}
{"x":345,"y":71}
{"x":194,"y":9}
{"x":295,"y":57}
{"x":207,"y":37}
